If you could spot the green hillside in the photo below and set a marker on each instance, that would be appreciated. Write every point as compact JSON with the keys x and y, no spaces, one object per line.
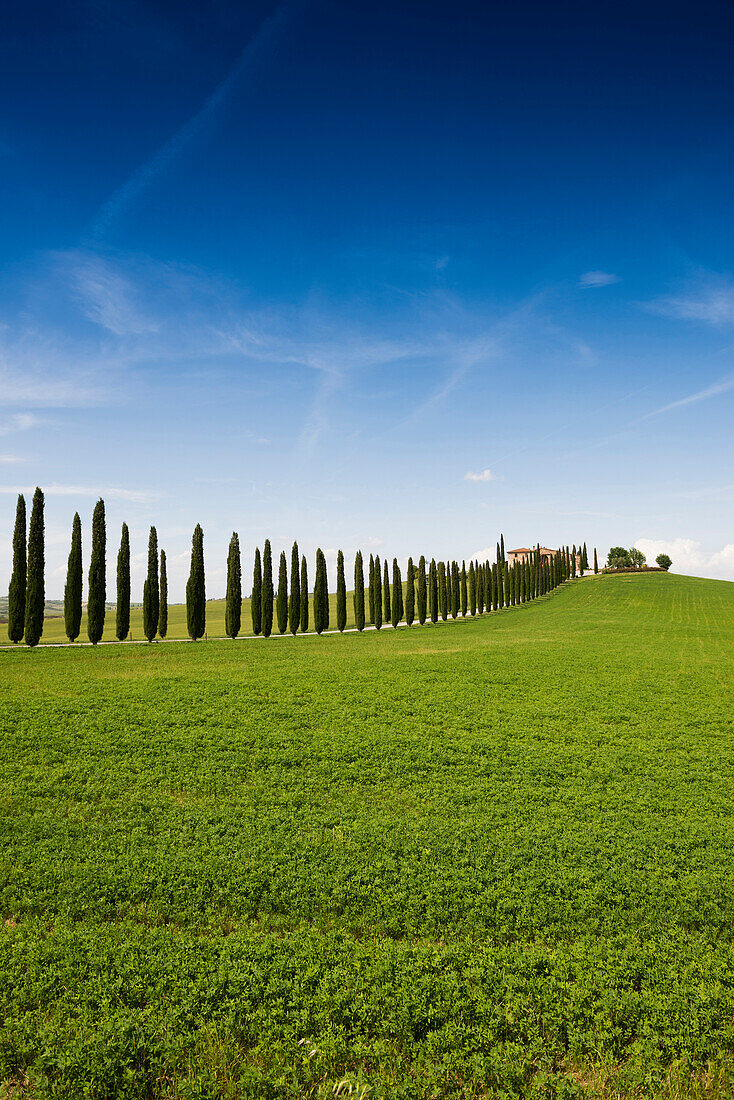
{"x":487,"y":858}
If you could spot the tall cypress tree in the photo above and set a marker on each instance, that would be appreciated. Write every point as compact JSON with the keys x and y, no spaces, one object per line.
{"x":573,"y":561}
{"x":472,"y":589}
{"x":294,"y":607}
{"x":97,"y":587}
{"x":19,"y":577}
{"x":377,"y":587}
{"x":422,"y":590}
{"x":455,"y":590}
{"x":74,"y":580}
{"x":464,"y":585}
{"x":387,"y":606}
{"x":163,"y":612}
{"x":371,"y":589}
{"x":35,"y":596}
{"x":195,"y":588}
{"x":433,"y":591}
{"x":502,"y":548}
{"x":341,"y":593}
{"x":410,"y":593}
{"x":596,"y":562}
{"x":442,"y":590}
{"x":256,"y":598}
{"x":282,"y":599}
{"x":397,"y":594}
{"x":233,"y":602}
{"x":304,"y":594}
{"x":320,"y":595}
{"x":359,"y":591}
{"x":122,"y":610}
{"x":479,"y":586}
{"x":151,"y":592}
{"x":267,"y":593}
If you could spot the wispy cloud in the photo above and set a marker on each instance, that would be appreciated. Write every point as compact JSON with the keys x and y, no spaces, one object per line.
{"x":135,"y":496}
{"x":722,"y":386}
{"x":167,"y":153}
{"x":19,"y":422}
{"x":597,"y":278}
{"x":10,"y":460}
{"x":689,"y":556}
{"x":482,"y":475}
{"x":709,"y":299}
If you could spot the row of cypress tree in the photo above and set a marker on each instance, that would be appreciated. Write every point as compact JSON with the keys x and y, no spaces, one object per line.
{"x":432,"y":590}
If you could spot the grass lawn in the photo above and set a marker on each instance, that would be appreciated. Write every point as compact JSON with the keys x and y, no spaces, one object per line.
{"x":489,"y":858}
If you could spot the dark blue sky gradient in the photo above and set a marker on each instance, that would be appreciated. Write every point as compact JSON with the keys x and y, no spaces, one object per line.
{"x":398,"y":204}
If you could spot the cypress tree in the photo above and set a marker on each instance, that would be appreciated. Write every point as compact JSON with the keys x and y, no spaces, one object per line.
{"x":267,"y":591}
{"x":304,"y":594}
{"x":320,"y":595}
{"x":410,"y":593}
{"x":377,"y":585}
{"x":397,"y":594}
{"x":294,"y":609}
{"x":387,"y":607}
{"x":341,"y":594}
{"x":195,"y":588}
{"x":233,"y":603}
{"x":442,"y":591}
{"x":455,"y":590}
{"x":573,"y":561}
{"x":472,"y":589}
{"x":74,"y":580}
{"x":163,"y":613}
{"x":371,"y":589}
{"x":502,"y":548}
{"x":464,"y":581}
{"x":422,"y":591}
{"x":97,"y":588}
{"x":19,"y":577}
{"x":585,"y":558}
{"x":479,"y":580}
{"x":256,"y":598}
{"x":281,"y":603}
{"x":359,"y":591}
{"x":35,"y":597}
{"x":596,"y":562}
{"x":433,"y":591}
{"x":122,"y":611}
{"x":151,"y":593}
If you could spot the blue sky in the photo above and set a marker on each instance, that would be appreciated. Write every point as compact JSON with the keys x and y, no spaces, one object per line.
{"x":396,"y":276}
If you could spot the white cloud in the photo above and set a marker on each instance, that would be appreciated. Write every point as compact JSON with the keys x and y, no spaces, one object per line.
{"x":711,"y":300}
{"x":19,"y":422}
{"x":9,"y":460}
{"x":135,"y":496}
{"x":689,"y":557}
{"x":597,"y":278}
{"x":482,"y":475}
{"x":723,"y":386}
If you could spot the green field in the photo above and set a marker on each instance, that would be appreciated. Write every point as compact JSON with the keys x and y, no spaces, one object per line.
{"x":486,"y":858}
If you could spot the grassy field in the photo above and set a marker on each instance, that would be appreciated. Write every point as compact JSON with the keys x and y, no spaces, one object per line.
{"x":490,"y":858}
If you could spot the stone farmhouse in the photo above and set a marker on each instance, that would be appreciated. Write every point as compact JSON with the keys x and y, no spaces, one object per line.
{"x":525,"y":553}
